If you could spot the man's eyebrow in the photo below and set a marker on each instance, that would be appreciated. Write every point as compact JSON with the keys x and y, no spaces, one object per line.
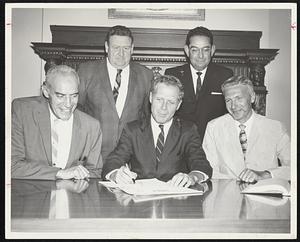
{"x":63,"y":94}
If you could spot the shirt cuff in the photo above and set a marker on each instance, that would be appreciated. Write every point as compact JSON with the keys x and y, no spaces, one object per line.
{"x":108,"y":174}
{"x":202,"y":173}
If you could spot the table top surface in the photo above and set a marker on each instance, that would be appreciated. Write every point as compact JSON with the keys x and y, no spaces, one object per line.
{"x":88,"y":205}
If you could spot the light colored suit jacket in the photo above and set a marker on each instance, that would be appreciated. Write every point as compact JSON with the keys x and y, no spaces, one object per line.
{"x":268,"y":142}
{"x":96,"y":98}
{"x":31,"y":156}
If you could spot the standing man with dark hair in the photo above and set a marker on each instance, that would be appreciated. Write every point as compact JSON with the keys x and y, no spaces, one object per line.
{"x":201,"y":79}
{"x":113,"y":90}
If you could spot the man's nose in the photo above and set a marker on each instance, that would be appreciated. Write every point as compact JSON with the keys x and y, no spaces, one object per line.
{"x":121,"y":51}
{"x":164,"y":105}
{"x":233,"y":105}
{"x":68,"y":101}
{"x":200,"y":53}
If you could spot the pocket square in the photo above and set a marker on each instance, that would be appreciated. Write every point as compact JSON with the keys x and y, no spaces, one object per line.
{"x":216,"y":93}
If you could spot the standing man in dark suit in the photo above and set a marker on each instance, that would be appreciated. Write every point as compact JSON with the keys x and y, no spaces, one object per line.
{"x":113,"y":90}
{"x":50,"y":138}
{"x":202,"y":80}
{"x":160,"y":145}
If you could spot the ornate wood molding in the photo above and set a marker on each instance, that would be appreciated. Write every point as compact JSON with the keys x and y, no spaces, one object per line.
{"x":162,"y":48}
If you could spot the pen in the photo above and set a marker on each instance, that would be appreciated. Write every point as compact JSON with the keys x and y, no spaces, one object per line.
{"x":83,"y":161}
{"x":129,"y":170}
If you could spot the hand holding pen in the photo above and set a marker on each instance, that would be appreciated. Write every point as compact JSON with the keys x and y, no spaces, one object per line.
{"x":124,"y":175}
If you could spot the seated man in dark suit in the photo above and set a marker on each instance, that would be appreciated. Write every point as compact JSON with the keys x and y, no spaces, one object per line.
{"x":159,"y":145}
{"x":202,"y":80}
{"x":52,"y":139}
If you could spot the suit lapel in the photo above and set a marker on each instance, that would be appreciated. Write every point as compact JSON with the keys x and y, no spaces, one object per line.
{"x":188,"y":82}
{"x":235,"y":159}
{"x":148,"y":142}
{"x":172,"y":138}
{"x":76,"y":138}
{"x":206,"y":86}
{"x":254,"y":134}
{"x":43,"y":121}
{"x":103,"y":72}
{"x":131,"y":91}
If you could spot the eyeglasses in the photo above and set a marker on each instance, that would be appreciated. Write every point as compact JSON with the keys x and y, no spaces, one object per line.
{"x":204,"y":50}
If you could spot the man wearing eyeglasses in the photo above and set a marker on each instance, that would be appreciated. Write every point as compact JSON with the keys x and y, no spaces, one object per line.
{"x":201,"y":79}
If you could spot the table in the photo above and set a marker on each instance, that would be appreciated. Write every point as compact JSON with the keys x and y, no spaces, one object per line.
{"x":94,"y":210}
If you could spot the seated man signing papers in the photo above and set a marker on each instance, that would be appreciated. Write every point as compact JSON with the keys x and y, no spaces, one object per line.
{"x":52,"y":139}
{"x":159,"y":145}
{"x":244,"y":144}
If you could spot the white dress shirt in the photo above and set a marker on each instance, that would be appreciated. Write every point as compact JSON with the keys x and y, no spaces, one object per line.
{"x":195,"y":76}
{"x":248,"y":125}
{"x":112,"y":72}
{"x":64,"y":132}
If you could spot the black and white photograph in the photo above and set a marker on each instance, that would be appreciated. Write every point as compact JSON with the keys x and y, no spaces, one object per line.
{"x":150,"y":120}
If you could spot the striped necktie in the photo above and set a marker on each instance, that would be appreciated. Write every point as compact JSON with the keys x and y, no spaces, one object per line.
{"x":198,"y":88}
{"x":54,"y":141}
{"x":243,"y":139}
{"x":117,"y":84}
{"x":160,"y":145}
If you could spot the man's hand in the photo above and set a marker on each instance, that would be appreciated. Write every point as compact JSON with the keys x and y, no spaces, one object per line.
{"x":76,"y":172}
{"x":182,"y":180}
{"x":248,"y":175}
{"x":76,"y":186}
{"x":123,"y":176}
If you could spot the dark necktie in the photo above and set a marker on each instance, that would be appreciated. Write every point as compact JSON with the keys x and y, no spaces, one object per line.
{"x":198,"y":88}
{"x":117,"y":84}
{"x":243,"y":139}
{"x":160,"y":144}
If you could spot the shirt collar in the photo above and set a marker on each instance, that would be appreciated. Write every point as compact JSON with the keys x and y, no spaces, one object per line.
{"x":194,"y":71}
{"x":248,"y":123}
{"x":166,"y":125}
{"x":54,"y":118}
{"x":112,"y":69}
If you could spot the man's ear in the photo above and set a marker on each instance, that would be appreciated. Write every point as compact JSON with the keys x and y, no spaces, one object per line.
{"x":106,"y":46}
{"x":186,"y":50}
{"x":253,"y":97}
{"x":132,"y":47}
{"x":213,"y":49}
{"x":179,"y":104}
{"x":45,"y":91}
{"x":150,"y":97}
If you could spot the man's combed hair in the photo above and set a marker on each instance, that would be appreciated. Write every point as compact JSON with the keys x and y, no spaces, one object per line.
{"x":119,"y":30}
{"x":60,"y":70}
{"x":199,"y":31}
{"x":169,"y":81}
{"x":238,"y":80}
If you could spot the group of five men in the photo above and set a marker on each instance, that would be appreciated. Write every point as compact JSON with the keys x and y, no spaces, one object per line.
{"x":131,"y":125}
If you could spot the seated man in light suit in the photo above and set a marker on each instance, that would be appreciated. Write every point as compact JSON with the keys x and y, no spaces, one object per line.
{"x":159,"y":145}
{"x":52,"y":139}
{"x":244,"y":144}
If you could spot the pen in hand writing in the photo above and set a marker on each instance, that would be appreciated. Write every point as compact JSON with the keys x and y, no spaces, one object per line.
{"x":129,"y":170}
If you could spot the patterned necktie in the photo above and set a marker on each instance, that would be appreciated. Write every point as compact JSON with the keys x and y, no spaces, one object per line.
{"x":198,"y":88}
{"x":117,"y":84}
{"x":54,"y":140}
{"x":160,"y":144}
{"x":243,"y":139}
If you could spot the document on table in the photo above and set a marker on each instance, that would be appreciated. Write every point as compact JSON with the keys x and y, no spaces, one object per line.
{"x":152,"y":187}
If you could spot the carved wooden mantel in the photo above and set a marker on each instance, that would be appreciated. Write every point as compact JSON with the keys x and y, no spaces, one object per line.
{"x":160,"y":49}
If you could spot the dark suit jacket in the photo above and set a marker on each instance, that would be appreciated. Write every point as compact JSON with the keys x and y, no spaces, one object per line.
{"x":208,"y":106}
{"x":182,"y":151}
{"x":96,"y":98}
{"x":31,"y":141}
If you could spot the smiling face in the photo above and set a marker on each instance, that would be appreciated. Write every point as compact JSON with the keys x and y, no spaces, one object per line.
{"x":164,"y":102}
{"x":199,"y":51}
{"x":62,"y":93}
{"x":119,"y":50}
{"x":238,"y":101}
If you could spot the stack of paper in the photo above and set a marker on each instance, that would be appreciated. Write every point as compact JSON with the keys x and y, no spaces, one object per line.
{"x":152,"y":189}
